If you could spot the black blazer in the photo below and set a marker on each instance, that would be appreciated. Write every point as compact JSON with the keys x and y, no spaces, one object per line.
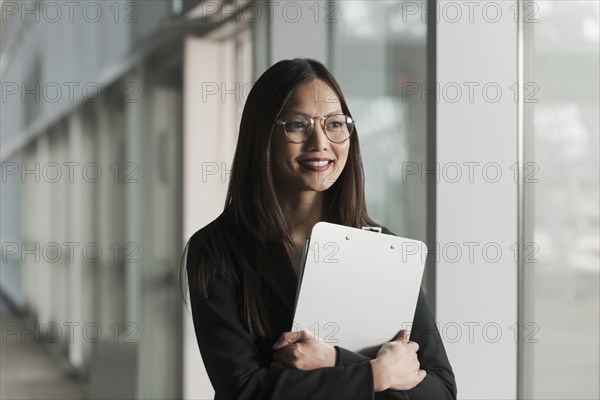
{"x":238,"y":365}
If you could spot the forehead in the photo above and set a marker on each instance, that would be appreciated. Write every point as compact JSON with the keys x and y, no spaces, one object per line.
{"x":313,"y":96}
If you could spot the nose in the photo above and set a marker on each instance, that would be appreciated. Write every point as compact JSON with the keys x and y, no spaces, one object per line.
{"x":318,"y":140}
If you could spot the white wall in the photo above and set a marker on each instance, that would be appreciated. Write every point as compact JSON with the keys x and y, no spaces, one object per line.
{"x":477,"y":290}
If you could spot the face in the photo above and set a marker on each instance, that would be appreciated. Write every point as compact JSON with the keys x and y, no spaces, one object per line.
{"x":299,"y":166}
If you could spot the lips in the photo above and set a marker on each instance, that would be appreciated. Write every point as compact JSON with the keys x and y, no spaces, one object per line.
{"x":316,"y":163}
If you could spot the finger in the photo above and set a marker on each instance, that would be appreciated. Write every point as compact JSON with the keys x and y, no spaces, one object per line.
{"x":277,"y":342}
{"x":402,"y":336}
{"x":288,"y":338}
{"x":399,"y":335}
{"x":299,"y":336}
{"x":421,"y":374}
{"x":413,"y":346}
{"x":281,"y":343}
{"x":284,"y":340}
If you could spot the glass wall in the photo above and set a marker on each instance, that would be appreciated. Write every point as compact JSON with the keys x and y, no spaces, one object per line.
{"x":102,"y":240}
{"x":380,"y":59}
{"x":562,"y":249}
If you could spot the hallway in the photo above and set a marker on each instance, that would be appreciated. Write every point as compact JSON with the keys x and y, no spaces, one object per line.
{"x":28,"y":370}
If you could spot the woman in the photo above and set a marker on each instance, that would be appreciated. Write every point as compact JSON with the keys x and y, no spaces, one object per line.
{"x":297,"y":162}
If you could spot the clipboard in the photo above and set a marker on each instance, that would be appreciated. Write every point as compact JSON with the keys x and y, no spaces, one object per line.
{"x":357,"y":287}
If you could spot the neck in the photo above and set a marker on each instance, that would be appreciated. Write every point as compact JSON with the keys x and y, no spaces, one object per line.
{"x":302,"y":211}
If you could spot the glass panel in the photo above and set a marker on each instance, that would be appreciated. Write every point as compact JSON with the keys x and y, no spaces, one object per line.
{"x":561,"y":304}
{"x":380,"y":60}
{"x":391,"y":123}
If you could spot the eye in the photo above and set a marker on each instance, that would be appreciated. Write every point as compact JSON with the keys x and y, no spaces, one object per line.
{"x":293,"y":125}
{"x":297,"y":123}
{"x":335,"y":123}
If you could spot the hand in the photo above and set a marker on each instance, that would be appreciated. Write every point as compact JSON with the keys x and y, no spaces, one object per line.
{"x":302,"y":350}
{"x":397,"y":366}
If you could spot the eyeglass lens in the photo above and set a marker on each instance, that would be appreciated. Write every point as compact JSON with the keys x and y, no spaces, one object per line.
{"x":338,"y":127}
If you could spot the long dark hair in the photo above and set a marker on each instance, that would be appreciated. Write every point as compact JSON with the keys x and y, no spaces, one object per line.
{"x":252,"y":205}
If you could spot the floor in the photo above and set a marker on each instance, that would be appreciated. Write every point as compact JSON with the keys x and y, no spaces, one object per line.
{"x":28,"y":370}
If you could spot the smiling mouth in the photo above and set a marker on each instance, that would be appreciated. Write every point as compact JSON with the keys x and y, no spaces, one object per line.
{"x":316,"y":165}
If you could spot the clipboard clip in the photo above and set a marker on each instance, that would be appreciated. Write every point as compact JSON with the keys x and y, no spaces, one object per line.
{"x":372,"y":228}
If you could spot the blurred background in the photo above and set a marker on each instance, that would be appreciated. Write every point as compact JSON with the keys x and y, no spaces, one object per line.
{"x":479,"y":133}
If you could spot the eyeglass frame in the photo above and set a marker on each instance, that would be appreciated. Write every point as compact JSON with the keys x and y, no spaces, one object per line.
{"x":312,"y":125}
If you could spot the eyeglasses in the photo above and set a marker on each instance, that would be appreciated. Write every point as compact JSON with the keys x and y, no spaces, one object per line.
{"x":299,"y":127}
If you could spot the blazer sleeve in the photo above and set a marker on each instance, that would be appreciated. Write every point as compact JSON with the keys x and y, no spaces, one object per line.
{"x":232,"y":359}
{"x":439,"y":382}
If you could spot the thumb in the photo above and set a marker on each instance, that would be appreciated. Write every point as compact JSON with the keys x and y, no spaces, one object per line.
{"x":422,"y":374}
{"x":281,"y":342}
{"x":402,"y":336}
{"x":286,"y":338}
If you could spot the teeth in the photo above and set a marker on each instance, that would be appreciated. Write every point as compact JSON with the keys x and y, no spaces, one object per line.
{"x":316,"y":163}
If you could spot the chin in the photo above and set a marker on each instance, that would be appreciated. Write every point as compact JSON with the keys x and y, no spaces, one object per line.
{"x":319,"y":187}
